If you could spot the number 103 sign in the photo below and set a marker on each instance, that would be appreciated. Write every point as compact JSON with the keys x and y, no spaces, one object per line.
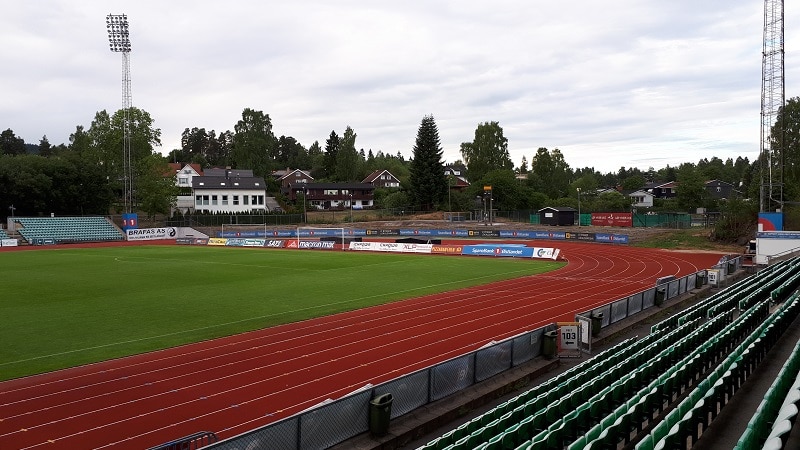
{"x":568,"y":335}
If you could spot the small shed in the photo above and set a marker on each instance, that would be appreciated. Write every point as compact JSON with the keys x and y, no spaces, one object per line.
{"x":562,"y":215}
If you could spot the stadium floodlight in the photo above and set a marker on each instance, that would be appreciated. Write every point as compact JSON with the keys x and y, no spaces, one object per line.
{"x":119,"y":41}
{"x":118,"y":33}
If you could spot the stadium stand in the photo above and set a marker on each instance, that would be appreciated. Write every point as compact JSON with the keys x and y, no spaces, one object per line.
{"x":3,"y":234}
{"x":663,"y":390}
{"x":58,"y":230}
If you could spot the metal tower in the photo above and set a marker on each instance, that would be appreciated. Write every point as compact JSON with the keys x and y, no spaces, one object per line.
{"x":119,"y":42}
{"x":773,"y":98}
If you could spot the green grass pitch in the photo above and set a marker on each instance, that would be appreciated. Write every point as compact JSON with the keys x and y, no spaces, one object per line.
{"x":66,"y":307}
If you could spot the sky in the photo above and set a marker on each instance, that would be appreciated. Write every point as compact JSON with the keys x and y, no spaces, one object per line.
{"x":628,"y":83}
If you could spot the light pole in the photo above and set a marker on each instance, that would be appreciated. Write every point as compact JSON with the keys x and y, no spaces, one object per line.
{"x":305,"y":213}
{"x":579,"y":206}
{"x":119,"y":41}
{"x":351,"y":207}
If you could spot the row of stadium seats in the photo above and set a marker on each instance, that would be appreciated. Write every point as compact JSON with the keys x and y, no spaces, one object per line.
{"x":67,"y":229}
{"x":599,"y":403}
{"x":691,"y":417}
{"x":3,"y":234}
{"x":779,"y":408}
{"x":745,"y":293}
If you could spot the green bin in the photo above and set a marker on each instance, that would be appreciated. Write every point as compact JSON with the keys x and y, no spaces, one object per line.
{"x":380,"y":411}
{"x":700,"y":279}
{"x":549,"y":344}
{"x":661,"y":295}
{"x":597,"y":324}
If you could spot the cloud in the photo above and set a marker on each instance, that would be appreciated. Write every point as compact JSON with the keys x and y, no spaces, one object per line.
{"x":632,"y":84}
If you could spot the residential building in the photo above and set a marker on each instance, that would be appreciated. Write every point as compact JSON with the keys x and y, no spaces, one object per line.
{"x":228,"y":193}
{"x":722,"y":190}
{"x":382,"y":179}
{"x":334,"y":195}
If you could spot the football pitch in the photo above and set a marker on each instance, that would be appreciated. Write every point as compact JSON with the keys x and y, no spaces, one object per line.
{"x":65,"y":307}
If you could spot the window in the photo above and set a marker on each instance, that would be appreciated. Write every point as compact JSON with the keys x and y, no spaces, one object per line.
{"x":213,"y":199}
{"x":235,"y":199}
{"x":224,"y":199}
{"x":198,"y":200}
{"x":331,"y":192}
{"x":183,"y":181}
{"x":245,"y":199}
{"x":260,"y":199}
{"x":205,"y":200}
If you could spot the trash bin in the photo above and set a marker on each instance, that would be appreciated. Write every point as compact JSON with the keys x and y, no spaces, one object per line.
{"x":549,"y":345}
{"x":661,"y":294}
{"x":700,"y":279}
{"x":597,"y":324}
{"x":731,"y":266}
{"x":380,"y":411}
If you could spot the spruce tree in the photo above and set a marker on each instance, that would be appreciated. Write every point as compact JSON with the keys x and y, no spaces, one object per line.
{"x":428,"y":185}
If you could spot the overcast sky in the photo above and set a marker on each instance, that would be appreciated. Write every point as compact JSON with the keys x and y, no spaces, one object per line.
{"x":634,"y":83}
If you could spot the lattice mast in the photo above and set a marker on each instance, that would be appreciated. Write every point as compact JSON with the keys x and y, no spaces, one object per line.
{"x":773,"y":98}
{"x":119,"y":42}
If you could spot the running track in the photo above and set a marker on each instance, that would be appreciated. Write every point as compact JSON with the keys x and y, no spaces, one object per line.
{"x":235,"y":384}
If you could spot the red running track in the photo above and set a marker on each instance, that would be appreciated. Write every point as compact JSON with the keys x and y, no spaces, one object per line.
{"x":235,"y":384}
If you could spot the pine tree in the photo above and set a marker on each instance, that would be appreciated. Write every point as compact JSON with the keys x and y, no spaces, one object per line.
{"x":426,"y":174}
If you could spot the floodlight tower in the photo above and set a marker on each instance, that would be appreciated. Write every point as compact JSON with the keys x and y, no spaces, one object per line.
{"x":119,"y":42}
{"x":773,"y":98}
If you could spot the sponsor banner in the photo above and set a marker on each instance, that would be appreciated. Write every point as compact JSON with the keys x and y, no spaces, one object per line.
{"x":146,"y":234}
{"x":617,"y":219}
{"x":517,"y":234}
{"x":241,"y":234}
{"x":328,"y":245}
{"x":511,"y":251}
{"x":234,"y":242}
{"x":484,"y":233}
{"x":553,"y":235}
{"x":451,"y":233}
{"x":274,"y":243}
{"x":388,"y":232}
{"x":397,"y":247}
{"x":777,"y":235}
{"x":217,"y":241}
{"x":282,"y":233}
{"x":238,"y":242}
{"x":321,"y":233}
{"x":611,"y":238}
{"x":407,"y":232}
{"x":191,"y":241}
{"x":580,"y":236}
{"x":447,"y":249}
{"x":8,"y":243}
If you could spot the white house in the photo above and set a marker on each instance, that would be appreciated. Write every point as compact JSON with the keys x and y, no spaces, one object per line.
{"x":641,"y":199}
{"x":229,"y":194}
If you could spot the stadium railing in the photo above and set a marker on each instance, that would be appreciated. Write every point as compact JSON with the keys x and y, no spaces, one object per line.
{"x":335,"y":422}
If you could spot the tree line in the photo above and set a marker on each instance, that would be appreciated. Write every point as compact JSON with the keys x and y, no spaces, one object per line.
{"x":84,"y":175}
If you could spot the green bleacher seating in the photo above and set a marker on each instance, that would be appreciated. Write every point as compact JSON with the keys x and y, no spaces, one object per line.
{"x":67,"y":229}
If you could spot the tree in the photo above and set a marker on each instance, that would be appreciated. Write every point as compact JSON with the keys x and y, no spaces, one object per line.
{"x":691,"y":190}
{"x":428,"y":185}
{"x":550,"y":173}
{"x":254,"y":143}
{"x":633,"y":183}
{"x":11,"y":144}
{"x":156,"y":194}
{"x":45,"y":149}
{"x":488,"y":151}
{"x":347,"y":159}
{"x":785,"y":147}
{"x":332,"y":145}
